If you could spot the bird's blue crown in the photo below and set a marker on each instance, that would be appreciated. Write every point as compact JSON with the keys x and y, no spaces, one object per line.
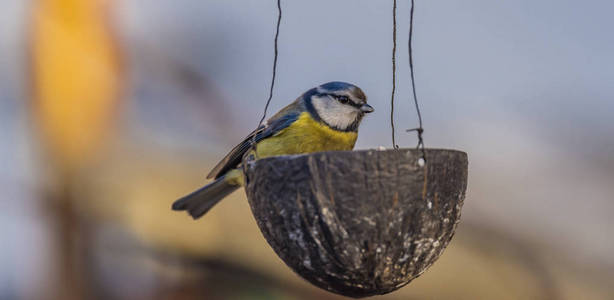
{"x":337,"y":86}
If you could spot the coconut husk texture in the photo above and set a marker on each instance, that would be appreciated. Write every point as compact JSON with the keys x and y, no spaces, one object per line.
{"x":359,"y":223}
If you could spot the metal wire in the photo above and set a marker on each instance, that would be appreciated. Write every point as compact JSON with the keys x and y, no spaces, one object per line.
{"x":420,"y":129}
{"x":394,"y":70}
{"x":276,"y":54}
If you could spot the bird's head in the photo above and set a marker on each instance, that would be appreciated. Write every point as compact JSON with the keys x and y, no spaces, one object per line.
{"x":338,"y":104}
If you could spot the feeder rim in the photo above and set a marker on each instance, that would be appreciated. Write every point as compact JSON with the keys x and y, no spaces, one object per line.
{"x":293,"y":156}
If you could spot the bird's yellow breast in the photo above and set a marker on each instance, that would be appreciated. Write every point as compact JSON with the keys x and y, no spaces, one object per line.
{"x":306,"y":135}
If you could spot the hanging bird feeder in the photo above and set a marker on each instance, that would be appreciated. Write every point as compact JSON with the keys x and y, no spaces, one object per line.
{"x":359,"y":223}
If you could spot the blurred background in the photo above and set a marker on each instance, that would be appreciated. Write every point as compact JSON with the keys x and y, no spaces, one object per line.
{"x":112,"y":109}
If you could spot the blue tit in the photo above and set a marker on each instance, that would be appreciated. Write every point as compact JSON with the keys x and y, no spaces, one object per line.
{"x":325,"y":118}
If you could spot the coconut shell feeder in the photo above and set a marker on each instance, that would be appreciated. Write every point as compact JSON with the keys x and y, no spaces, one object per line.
{"x":358,"y":223}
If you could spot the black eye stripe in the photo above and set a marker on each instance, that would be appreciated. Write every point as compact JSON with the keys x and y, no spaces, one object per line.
{"x":346,"y":100}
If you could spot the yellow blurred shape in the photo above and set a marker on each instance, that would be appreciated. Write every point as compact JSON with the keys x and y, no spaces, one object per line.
{"x":75,"y":77}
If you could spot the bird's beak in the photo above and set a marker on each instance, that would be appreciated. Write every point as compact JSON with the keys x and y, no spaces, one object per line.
{"x":366,"y":108}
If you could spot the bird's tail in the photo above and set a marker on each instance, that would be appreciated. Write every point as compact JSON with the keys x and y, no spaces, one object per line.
{"x":202,"y":200}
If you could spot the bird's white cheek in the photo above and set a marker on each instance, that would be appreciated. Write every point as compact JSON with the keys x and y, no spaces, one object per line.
{"x":334,"y":113}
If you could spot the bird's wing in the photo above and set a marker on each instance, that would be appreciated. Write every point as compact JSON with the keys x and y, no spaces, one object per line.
{"x":234,"y":158}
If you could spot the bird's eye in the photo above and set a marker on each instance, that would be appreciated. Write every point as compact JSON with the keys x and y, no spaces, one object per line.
{"x":343,"y":99}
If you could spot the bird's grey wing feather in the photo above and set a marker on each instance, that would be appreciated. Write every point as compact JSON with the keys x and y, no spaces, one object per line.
{"x":277,"y":123}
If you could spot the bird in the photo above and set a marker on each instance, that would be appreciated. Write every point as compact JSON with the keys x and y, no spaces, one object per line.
{"x":324,"y":118}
